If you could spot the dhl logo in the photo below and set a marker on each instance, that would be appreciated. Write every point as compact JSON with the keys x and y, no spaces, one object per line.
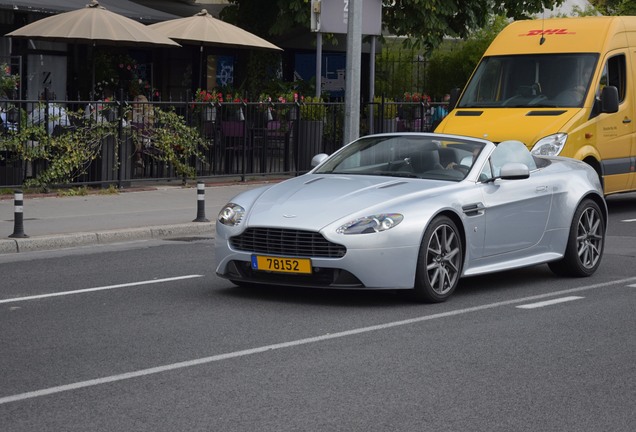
{"x":540,"y":32}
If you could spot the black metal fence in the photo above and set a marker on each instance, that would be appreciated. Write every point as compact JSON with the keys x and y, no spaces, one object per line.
{"x":239,"y":139}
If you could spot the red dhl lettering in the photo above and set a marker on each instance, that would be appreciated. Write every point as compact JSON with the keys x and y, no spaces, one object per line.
{"x":540,"y":32}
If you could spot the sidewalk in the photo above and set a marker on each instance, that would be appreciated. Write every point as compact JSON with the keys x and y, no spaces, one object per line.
{"x":53,"y":222}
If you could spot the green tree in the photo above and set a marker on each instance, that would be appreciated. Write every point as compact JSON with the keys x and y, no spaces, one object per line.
{"x":424,"y":22}
{"x":453,"y":62}
{"x":615,"y":7}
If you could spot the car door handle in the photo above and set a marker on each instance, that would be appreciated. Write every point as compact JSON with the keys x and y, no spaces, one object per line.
{"x":542,"y":188}
{"x":627,"y":120}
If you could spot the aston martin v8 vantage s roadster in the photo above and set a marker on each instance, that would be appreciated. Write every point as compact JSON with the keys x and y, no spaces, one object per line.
{"x":415,"y":211}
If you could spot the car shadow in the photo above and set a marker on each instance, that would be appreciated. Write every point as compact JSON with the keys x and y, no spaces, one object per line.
{"x":621,"y":202}
{"x":318,"y":296}
{"x":468,"y":287}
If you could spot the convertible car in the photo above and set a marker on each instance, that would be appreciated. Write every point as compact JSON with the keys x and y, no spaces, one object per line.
{"x":415,"y":211}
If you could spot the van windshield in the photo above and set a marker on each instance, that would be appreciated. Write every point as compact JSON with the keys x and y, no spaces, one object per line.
{"x":530,"y":80}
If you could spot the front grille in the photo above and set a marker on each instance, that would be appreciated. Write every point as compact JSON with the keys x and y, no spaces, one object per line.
{"x":242,"y":271}
{"x":287,"y":242}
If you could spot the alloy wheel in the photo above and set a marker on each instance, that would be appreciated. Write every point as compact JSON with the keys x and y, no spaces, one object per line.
{"x":443,"y":259}
{"x":589,"y":237}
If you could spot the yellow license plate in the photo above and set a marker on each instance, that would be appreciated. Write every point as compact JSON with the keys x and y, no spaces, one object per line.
{"x":283,"y":265}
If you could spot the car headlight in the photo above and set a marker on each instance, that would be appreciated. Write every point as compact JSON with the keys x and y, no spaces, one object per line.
{"x":371,"y":224}
{"x":550,"y":145}
{"x":231,"y":214}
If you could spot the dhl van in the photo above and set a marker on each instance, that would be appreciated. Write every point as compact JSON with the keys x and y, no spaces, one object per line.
{"x":562,"y":86}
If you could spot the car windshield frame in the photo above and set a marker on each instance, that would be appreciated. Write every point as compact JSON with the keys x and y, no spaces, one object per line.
{"x":432,"y":157}
{"x":557,"y":80}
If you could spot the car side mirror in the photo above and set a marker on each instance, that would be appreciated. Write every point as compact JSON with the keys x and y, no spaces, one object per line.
{"x":514,"y":171}
{"x":318,"y":159}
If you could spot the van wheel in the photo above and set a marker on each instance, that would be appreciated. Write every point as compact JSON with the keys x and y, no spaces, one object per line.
{"x":439,"y":264}
{"x":585,"y":244}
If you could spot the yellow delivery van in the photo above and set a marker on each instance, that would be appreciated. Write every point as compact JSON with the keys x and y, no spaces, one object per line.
{"x":563,"y":86}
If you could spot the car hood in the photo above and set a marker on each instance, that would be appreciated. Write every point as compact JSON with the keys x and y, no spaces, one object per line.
{"x":527,"y":125}
{"x":313,"y":201}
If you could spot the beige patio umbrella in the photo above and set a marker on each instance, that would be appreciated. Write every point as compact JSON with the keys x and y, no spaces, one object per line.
{"x":93,"y":25}
{"x":204,"y":30}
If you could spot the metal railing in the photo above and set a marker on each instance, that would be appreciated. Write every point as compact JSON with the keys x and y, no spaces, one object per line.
{"x":239,"y":139}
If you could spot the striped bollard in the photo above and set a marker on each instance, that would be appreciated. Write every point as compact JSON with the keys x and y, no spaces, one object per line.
{"x":18,"y":218}
{"x":200,"y":203}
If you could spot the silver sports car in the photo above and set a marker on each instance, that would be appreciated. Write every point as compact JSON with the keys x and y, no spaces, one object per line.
{"x":415,"y":211}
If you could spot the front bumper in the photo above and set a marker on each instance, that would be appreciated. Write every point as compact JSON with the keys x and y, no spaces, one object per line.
{"x":385,"y":268}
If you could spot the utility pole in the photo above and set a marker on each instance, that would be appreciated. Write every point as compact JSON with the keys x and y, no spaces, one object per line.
{"x":353,"y":72}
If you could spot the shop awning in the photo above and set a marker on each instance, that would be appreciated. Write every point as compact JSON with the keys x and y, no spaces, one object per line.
{"x":127,"y":8}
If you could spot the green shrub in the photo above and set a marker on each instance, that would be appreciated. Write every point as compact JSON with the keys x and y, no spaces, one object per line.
{"x":313,"y":108}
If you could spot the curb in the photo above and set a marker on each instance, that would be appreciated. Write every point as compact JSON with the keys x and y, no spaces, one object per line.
{"x":64,"y":241}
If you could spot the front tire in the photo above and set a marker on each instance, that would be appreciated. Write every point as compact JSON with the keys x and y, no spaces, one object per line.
{"x":585,"y":245}
{"x":440,"y":261}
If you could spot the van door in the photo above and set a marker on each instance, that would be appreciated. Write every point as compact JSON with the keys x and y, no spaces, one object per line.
{"x":615,"y":132}
{"x":632,"y":154}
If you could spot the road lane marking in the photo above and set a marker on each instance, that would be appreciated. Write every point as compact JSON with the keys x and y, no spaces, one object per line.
{"x":628,"y":220}
{"x":549,"y":302}
{"x":295,"y":343}
{"x":103,"y":288}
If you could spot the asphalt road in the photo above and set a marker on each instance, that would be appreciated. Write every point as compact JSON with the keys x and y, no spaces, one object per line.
{"x":144,"y":337}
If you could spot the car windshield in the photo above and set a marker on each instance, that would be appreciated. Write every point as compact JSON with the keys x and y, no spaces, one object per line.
{"x":411,"y":156}
{"x":530,"y":80}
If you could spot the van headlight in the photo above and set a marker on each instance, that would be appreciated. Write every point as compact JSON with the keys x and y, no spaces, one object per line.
{"x":550,"y":145}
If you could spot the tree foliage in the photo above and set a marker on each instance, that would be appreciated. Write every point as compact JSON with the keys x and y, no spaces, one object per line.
{"x":424,"y":22}
{"x":615,"y":7}
{"x":451,"y":67}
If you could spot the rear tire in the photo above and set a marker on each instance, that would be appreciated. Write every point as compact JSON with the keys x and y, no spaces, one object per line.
{"x":440,"y":261}
{"x":585,"y":245}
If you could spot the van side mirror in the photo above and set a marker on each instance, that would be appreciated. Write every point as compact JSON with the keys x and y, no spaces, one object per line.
{"x":609,"y":99}
{"x":454,"y":97}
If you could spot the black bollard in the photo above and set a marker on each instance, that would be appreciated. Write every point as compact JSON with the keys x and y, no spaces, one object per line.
{"x":200,"y":203}
{"x":18,"y":218}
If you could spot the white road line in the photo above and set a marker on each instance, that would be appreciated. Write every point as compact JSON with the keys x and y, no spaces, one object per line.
{"x":109,"y":287}
{"x":549,"y":302}
{"x":247,"y":352}
{"x":628,"y":220}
